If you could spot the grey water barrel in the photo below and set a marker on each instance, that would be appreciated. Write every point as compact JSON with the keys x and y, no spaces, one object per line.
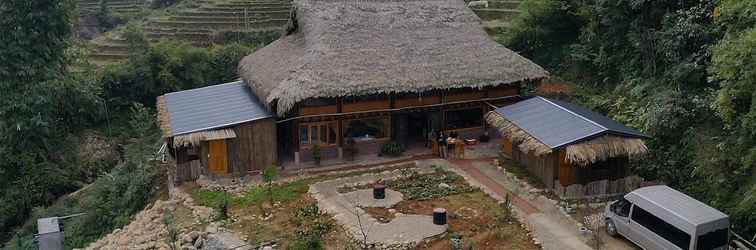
{"x":379,"y":191}
{"x":439,"y":216}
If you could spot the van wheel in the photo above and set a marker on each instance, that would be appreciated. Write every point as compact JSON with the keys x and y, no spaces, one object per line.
{"x":611,"y":229}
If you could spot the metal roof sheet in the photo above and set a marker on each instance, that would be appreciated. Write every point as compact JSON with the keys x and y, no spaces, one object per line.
{"x":556,"y":123}
{"x":682,"y":206}
{"x":213,"y":107}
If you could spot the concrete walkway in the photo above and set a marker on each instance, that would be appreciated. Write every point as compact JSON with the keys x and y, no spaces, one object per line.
{"x":404,"y":230}
{"x":552,"y":232}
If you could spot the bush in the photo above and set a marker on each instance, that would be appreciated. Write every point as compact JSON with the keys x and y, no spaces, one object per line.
{"x":167,"y":66}
{"x":312,"y":226}
{"x":544,"y":31}
{"x":316,"y":154}
{"x":392,"y":149}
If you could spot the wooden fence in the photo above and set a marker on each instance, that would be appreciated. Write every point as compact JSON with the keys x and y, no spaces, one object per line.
{"x":188,"y":171}
{"x":598,"y":189}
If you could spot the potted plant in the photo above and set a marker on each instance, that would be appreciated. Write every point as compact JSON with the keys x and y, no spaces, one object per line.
{"x":316,"y":154}
{"x":484,"y":137}
{"x":350,"y":148}
{"x":391,"y":149}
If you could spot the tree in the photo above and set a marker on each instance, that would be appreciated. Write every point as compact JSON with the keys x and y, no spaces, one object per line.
{"x":268,"y":175}
{"x":33,"y":46}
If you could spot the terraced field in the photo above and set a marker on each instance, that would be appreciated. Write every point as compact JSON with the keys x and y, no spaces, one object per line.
{"x":206,"y":22}
{"x":498,"y":14}
{"x":200,"y":23}
{"x":117,"y":6}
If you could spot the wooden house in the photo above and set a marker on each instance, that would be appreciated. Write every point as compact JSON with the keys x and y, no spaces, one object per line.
{"x":563,"y":144}
{"x":220,"y":130}
{"x":380,"y":70}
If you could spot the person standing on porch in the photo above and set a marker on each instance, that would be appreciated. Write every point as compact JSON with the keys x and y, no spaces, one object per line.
{"x":442,"y":150}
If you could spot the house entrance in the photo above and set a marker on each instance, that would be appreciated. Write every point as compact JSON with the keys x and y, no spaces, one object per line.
{"x":217,"y":158}
{"x":413,"y":128}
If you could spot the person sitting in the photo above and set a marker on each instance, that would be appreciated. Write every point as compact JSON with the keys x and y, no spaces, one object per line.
{"x":442,"y":150}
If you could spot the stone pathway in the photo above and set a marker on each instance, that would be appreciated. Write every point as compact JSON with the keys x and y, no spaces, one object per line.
{"x":551,"y":232}
{"x":404,"y":230}
{"x":364,"y":198}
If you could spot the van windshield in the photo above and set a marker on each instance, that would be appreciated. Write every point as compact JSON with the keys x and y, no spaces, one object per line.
{"x":712,"y":240}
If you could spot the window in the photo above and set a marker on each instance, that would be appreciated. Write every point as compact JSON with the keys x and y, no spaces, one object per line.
{"x":320,"y":133}
{"x":464,"y":118}
{"x":712,"y":240}
{"x":367,"y":129}
{"x":667,"y":231}
{"x":621,"y":207}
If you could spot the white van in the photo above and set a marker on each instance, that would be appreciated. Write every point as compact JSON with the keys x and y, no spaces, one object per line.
{"x":659,"y":217}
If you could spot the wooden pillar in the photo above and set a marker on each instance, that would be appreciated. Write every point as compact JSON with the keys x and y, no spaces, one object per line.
{"x":339,"y":123}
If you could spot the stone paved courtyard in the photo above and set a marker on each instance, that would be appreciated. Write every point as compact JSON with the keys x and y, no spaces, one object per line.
{"x":404,"y":229}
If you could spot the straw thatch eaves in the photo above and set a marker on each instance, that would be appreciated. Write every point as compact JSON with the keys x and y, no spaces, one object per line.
{"x":203,"y":114}
{"x":350,"y":48}
{"x":196,"y":137}
{"x":539,"y":125}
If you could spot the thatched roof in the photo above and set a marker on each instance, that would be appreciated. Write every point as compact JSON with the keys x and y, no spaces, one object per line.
{"x":350,"y":47}
{"x":196,"y":137}
{"x":540,"y":125}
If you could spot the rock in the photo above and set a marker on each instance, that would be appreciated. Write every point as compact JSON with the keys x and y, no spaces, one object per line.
{"x":194,"y":235}
{"x":212,"y":228}
{"x":187,"y":247}
{"x":198,"y":243}
{"x":186,"y":238}
{"x":392,"y":211}
{"x":443,"y":185}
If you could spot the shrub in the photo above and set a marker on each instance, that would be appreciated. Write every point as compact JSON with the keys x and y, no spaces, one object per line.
{"x":544,"y":31}
{"x":392,"y":149}
{"x":312,"y":226}
{"x":223,"y":207}
{"x":316,"y":154}
{"x":268,"y":175}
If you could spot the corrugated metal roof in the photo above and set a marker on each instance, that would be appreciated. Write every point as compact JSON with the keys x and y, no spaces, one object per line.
{"x":556,"y":123}
{"x":213,"y":107}
{"x":693,"y":212}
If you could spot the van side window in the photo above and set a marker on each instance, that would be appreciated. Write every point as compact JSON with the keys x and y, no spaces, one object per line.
{"x":661,"y":228}
{"x":712,"y":240}
{"x":621,"y":207}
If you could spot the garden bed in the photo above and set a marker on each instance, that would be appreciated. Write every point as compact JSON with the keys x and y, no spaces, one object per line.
{"x":479,"y":220}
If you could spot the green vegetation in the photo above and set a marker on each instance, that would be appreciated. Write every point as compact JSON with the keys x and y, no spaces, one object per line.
{"x":311,"y":226}
{"x":63,"y":122}
{"x":416,"y":186}
{"x":112,"y":199}
{"x":281,"y":193}
{"x":392,"y":149}
{"x":681,"y":71}
{"x":268,"y":175}
{"x":209,"y":198}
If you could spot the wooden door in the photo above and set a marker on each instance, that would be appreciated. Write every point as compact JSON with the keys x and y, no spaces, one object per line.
{"x":566,"y":170}
{"x":218,"y":157}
